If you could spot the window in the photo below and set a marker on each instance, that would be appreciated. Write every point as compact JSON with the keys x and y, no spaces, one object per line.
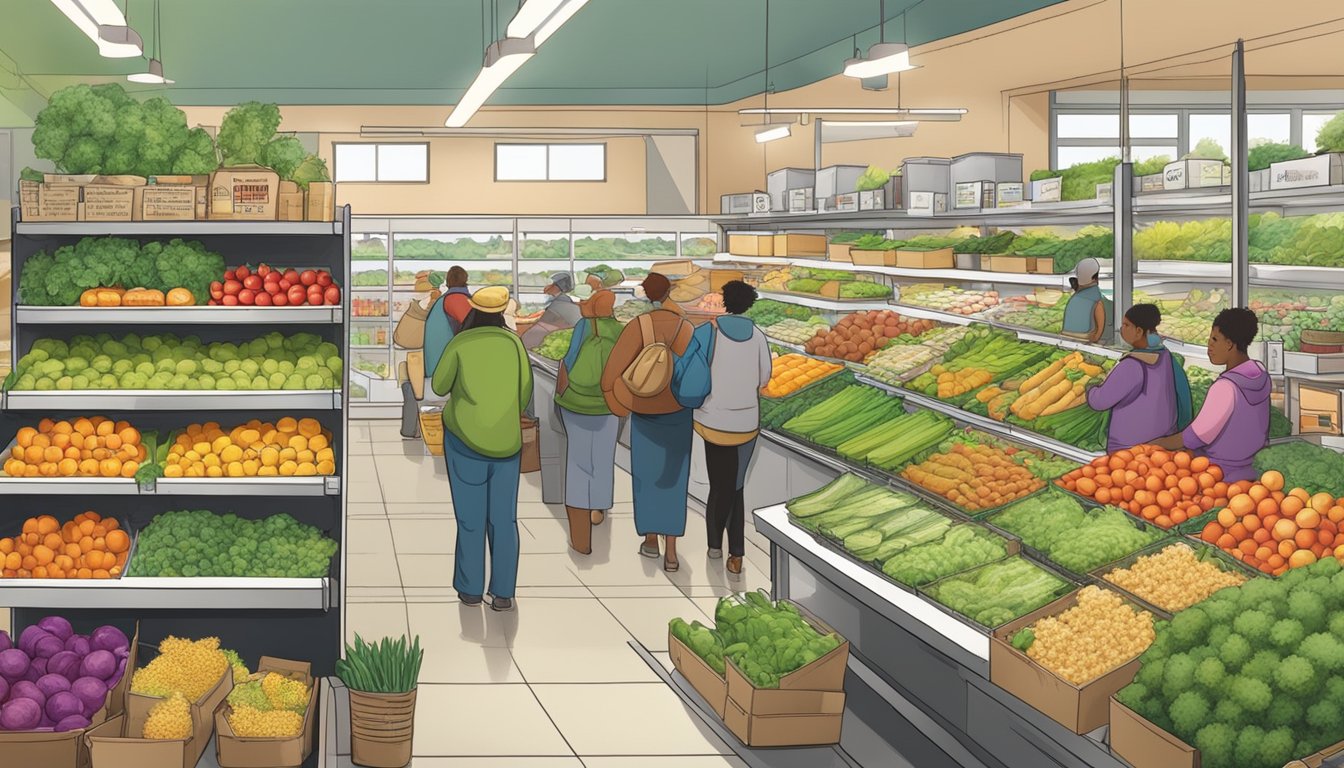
{"x":550,"y":162}
{"x":1069,"y":156}
{"x":382,"y":162}
{"x":1312,"y":122}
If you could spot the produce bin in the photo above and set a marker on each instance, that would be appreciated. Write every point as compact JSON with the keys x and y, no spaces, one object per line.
{"x":116,"y":744}
{"x":942,"y":258}
{"x":1042,"y":557}
{"x":233,"y":751}
{"x":926,"y":174}
{"x":802,"y":246}
{"x":1080,"y":708}
{"x":709,"y":684}
{"x":1204,"y":553}
{"x":838,"y":180}
{"x":203,"y":709}
{"x":839,"y":252}
{"x":927,"y":590}
{"x":1145,"y":745}
{"x":751,"y":245}
{"x":866,"y":258}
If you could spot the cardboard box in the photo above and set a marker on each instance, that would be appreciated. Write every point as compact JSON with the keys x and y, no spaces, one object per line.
{"x":321,"y":201}
{"x":108,"y":203}
{"x":1080,"y":708}
{"x":1047,"y":190}
{"x":116,"y":744}
{"x":781,"y":182}
{"x":866,"y":258}
{"x":39,"y":201}
{"x":1145,"y":745}
{"x":751,"y":245}
{"x":202,"y":710}
{"x":718,"y":277}
{"x":1025,"y":265}
{"x":1192,"y":174}
{"x":166,"y":202}
{"x":290,"y":202}
{"x":800,"y":200}
{"x":233,"y":751}
{"x":800,"y":246}
{"x":872,"y":200}
{"x":943,"y":258}
{"x":677,"y":268}
{"x":792,"y":719}
{"x":246,"y":192}
{"x":838,"y":252}
{"x":706,"y":682}
{"x":1318,"y":171}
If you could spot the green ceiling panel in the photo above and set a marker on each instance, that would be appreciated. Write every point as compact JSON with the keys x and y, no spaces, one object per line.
{"x":428,"y":51}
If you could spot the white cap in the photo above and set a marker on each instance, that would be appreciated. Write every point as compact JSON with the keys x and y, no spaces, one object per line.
{"x":1087,"y":271}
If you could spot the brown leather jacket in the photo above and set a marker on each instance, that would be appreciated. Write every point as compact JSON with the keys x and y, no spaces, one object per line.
{"x":670,"y":329}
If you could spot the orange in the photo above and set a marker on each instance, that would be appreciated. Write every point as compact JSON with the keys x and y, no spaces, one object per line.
{"x":1325,"y":538}
{"x":1188,"y":486}
{"x":1284,"y":529}
{"x":1261,"y":536}
{"x":1291,"y":505}
{"x":117,"y":542}
{"x":1258,"y":492}
{"x":1248,"y":547}
{"x":1267,"y":506}
{"x":1238,"y":531}
{"x":1251,"y":522}
{"x":1301,"y":494}
{"x":1212,"y":532}
{"x":1216,"y":471}
{"x":1308,"y":518}
{"x":1300,"y":558}
{"x":1226,"y":517}
{"x":1165,"y":500}
{"x":1163,"y":521}
{"x":1339,"y":552}
{"x":1336,"y":514}
{"x":1241,"y":505}
{"x":1305,"y":538}
{"x":1226,"y":541}
{"x":1199,"y":463}
{"x":110,"y":468}
{"x":1263,"y":553}
{"x":1273,"y":480}
{"x":1322,"y":502}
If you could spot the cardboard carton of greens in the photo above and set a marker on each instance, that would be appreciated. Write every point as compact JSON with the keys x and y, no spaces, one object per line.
{"x":117,"y":743}
{"x":1080,"y":708}
{"x":320,"y":201}
{"x":247,"y":192}
{"x":40,"y":201}
{"x":289,"y":206}
{"x":703,"y":678}
{"x":202,"y":710}
{"x":234,"y":751}
{"x":1141,"y":743}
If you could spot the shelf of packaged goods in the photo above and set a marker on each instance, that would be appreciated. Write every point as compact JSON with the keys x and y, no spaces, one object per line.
{"x":1214,"y":201}
{"x":100,"y":400}
{"x":67,"y":486}
{"x":256,"y":316}
{"x":1159,"y":272}
{"x":1010,"y":431}
{"x":156,"y":593}
{"x":178,"y":228}
{"x":1026,"y":215}
{"x":821,"y":302}
{"x":947,"y":275}
{"x":248,"y":486}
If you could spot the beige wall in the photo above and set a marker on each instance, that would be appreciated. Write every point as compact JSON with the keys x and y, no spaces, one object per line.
{"x":1002,"y":74}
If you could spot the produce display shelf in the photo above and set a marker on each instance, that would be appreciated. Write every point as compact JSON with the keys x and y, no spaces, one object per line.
{"x":154,"y":593}
{"x":359,"y":347}
{"x":821,"y":302}
{"x":787,"y":344}
{"x":984,"y":422}
{"x":1026,"y":215}
{"x":179,"y":228}
{"x":68,"y":486}
{"x":329,"y":485}
{"x":937,"y":315}
{"x":831,"y":462}
{"x":97,"y":400}
{"x":259,"y":316}
{"x":949,"y":275}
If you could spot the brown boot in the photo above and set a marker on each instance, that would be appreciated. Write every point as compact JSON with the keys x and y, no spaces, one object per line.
{"x":580,"y":531}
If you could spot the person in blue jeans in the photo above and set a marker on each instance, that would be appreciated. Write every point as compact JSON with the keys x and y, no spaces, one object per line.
{"x":485,"y":373}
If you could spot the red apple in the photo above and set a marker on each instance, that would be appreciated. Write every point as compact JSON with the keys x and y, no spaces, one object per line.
{"x":292,"y":275}
{"x":230,"y":275}
{"x":280,"y":300}
{"x":232,"y":287}
{"x":324,"y":278}
{"x":263,"y":270}
{"x":264,"y":299}
{"x":242,"y":272}
{"x":297,"y":295}
{"x":253,"y":282}
{"x":315,"y":299}
{"x":230,"y":300}
{"x":308,"y":277}
{"x":332,"y":295}
{"x":273,"y":277}
{"x":284,"y":285}
{"x":272,"y":287}
{"x":247,"y":296}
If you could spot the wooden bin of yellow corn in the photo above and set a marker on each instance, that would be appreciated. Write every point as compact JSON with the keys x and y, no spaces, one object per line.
{"x":431,"y":429}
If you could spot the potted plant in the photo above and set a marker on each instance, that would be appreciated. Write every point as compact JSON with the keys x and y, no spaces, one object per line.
{"x":381,"y":678}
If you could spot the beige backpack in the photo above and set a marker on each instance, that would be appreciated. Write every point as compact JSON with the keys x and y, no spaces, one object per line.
{"x":651,"y":371}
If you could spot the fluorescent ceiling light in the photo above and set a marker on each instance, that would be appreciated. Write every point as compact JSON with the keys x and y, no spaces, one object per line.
{"x":883,"y":59}
{"x":153,"y":76}
{"x":556,"y":20}
{"x":103,"y":22}
{"x":530,"y":16}
{"x":853,"y":111}
{"x":502,"y":59}
{"x":772,"y":132}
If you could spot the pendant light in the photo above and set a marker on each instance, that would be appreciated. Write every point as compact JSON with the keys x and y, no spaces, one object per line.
{"x":883,"y":58}
{"x":154,"y":73}
{"x":770,"y":132}
{"x":105,"y":24}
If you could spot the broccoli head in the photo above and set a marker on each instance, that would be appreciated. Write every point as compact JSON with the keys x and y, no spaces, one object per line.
{"x":1234,"y":651}
{"x":1247,"y":749}
{"x":1216,"y":742}
{"x":245,"y":132}
{"x":1295,"y":676}
{"x":1284,"y":711}
{"x":1287,"y":633}
{"x":1326,"y":716}
{"x":1250,"y":694}
{"x":283,"y":154}
{"x":1261,"y":666}
{"x":1189,"y":712}
{"x":1309,"y":608}
{"x":1210,"y":674}
{"x":1276,"y":748}
{"x":1189,"y":627}
{"x":1254,"y":625}
{"x":1178,"y":676}
{"x":1229,"y":712}
{"x":313,"y":168}
{"x":197,"y":155}
{"x":33,"y":280}
{"x":1324,"y":651}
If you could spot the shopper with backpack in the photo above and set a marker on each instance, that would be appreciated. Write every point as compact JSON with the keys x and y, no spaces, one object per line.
{"x":590,"y":427}
{"x":637,"y":381}
{"x":728,"y":418}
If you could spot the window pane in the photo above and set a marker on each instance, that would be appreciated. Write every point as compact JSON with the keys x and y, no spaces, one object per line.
{"x":403,"y":162}
{"x":520,"y":162}
{"x":1070,"y":156}
{"x":1153,"y":126}
{"x":1263,"y":129}
{"x":578,"y":162}
{"x":1211,"y":128}
{"x":1311,"y":125}
{"x":1139,"y":154}
{"x":355,"y":162}
{"x":1088,"y":126}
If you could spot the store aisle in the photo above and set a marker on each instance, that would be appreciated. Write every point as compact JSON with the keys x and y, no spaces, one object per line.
{"x":554,"y":683}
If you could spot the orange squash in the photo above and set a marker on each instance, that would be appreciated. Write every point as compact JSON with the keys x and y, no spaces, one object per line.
{"x":143,"y":297}
{"x":180,"y":297}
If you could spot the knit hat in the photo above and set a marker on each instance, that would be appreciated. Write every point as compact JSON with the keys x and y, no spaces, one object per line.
{"x":492,"y":300}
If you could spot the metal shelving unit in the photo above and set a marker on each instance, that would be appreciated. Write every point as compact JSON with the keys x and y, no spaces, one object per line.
{"x":292,"y":618}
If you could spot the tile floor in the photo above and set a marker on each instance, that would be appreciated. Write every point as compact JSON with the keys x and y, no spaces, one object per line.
{"x":554,"y":683}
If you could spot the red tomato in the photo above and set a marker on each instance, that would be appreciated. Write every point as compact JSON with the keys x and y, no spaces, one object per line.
{"x":229,"y":274}
{"x":212,"y":303}
{"x":263,"y":270}
{"x":247,"y":296}
{"x":324,"y":278}
{"x":314,"y":289}
{"x":273,"y":277}
{"x":232,"y":287}
{"x":242,"y":272}
{"x":315,"y":299}
{"x":264,"y":299}
{"x":230,"y":300}
{"x":308,"y":277}
{"x":279,"y":299}
{"x":332,"y":295}
{"x":253,"y":282}
{"x":216,"y":290}
{"x":284,"y":285}
{"x":292,"y":275}
{"x":273,"y":287}
{"x":297,"y":295}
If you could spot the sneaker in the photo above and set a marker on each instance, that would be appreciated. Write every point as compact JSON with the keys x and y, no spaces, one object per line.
{"x":715,"y":554}
{"x":502,"y":604}
{"x":469,"y":599}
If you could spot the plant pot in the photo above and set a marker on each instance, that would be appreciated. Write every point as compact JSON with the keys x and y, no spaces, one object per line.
{"x":381,"y":728}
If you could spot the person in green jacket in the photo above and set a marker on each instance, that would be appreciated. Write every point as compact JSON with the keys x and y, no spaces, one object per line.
{"x":590,"y":427}
{"x":486,"y":376}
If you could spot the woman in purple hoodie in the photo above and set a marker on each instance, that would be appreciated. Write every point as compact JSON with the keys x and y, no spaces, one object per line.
{"x":1146,"y":392}
{"x":1233,"y":424}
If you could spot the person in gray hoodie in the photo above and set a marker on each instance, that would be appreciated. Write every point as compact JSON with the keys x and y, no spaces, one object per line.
{"x":729,"y":420}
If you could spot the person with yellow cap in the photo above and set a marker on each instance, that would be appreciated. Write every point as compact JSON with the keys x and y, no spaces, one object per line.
{"x":485,"y":374}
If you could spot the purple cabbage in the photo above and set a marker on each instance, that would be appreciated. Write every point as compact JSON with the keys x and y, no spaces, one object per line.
{"x":20,"y":715}
{"x":28,"y":639}
{"x":52,"y":684}
{"x":92,"y":693}
{"x":66,"y":664}
{"x":57,"y":626}
{"x":72,"y":723}
{"x":79,"y":645}
{"x":108,"y":639}
{"x":47,"y":646}
{"x":99,"y":664}
{"x":26,"y":690}
{"x":13,"y":664}
{"x":63,"y":705}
